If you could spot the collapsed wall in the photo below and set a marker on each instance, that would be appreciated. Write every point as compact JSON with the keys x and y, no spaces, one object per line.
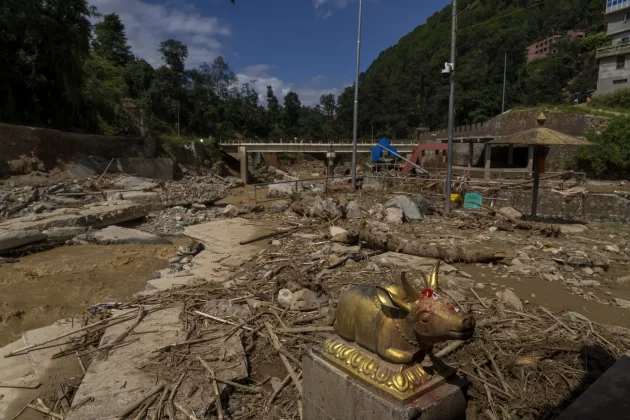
{"x":28,"y":149}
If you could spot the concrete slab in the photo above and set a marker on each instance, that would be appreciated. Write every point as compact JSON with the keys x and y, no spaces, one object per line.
{"x":149,"y":198}
{"x":411,"y":261}
{"x":116,"y":235}
{"x":97,"y":215}
{"x":608,"y":398}
{"x":330,"y":394}
{"x":158,"y":168}
{"x":111,"y":384}
{"x":36,"y":366}
{"x":134,"y":183}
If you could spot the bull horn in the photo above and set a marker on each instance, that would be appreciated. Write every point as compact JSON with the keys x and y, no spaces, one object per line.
{"x":412,"y":295}
{"x":431,"y":279}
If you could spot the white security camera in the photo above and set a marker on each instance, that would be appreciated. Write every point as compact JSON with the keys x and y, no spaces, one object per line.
{"x":448,"y":68}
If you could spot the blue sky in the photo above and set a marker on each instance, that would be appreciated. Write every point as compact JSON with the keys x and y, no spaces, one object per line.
{"x":306,"y":46}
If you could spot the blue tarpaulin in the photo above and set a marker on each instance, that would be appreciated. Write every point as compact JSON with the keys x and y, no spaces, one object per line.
{"x":382,"y":146}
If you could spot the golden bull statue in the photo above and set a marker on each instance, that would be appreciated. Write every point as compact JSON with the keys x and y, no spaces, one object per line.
{"x":386,"y":332}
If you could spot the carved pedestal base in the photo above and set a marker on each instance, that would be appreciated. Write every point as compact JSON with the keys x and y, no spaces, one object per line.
{"x":331,"y":392}
{"x":400,"y":383}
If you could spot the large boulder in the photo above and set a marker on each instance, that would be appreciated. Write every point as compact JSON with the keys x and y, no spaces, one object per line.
{"x":62,"y":234}
{"x":17,"y":238}
{"x":280,"y":190}
{"x":116,"y":235}
{"x":511,"y":213}
{"x":353,"y":211}
{"x":230,"y":210}
{"x":424,"y":205}
{"x":510,"y":299}
{"x":409,"y":208}
{"x":393,"y":216}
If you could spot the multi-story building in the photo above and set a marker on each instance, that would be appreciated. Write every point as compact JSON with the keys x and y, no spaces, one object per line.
{"x":614,"y":59}
{"x":545,"y":48}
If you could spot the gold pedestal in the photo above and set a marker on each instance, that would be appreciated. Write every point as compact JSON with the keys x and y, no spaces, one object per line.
{"x":401,"y":383}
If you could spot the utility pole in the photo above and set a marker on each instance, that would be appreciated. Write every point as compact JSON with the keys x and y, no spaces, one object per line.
{"x":355,"y":127}
{"x":451,"y":111}
{"x":504,"y":79}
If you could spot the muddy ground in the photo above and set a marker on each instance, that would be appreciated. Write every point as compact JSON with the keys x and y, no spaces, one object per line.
{"x":65,"y":281}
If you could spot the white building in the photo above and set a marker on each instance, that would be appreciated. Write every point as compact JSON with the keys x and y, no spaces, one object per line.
{"x":614,"y":60}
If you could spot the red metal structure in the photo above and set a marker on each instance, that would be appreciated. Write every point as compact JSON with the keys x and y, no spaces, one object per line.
{"x":416,"y":154}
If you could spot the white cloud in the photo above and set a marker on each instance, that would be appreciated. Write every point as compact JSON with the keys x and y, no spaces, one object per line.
{"x":260,"y":73}
{"x":148,"y":24}
{"x":325,"y":7}
{"x":318,"y":78}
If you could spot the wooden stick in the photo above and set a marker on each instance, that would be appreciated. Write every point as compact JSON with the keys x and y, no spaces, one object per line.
{"x":158,"y":415}
{"x":124,"y":334}
{"x":80,"y":361}
{"x":454,"y":345}
{"x":185,"y":412}
{"x":215,"y":386}
{"x":134,"y":405}
{"x":20,"y":383}
{"x":280,"y":388}
{"x":221,"y":320}
{"x":87,"y":327}
{"x":46,"y":411}
{"x":478,"y":298}
{"x":271,"y":235}
{"x":103,"y":174}
{"x":499,"y":390}
{"x":304,"y":330}
{"x":183,"y":343}
{"x":242,"y":324}
{"x":142,"y":412}
{"x":234,"y":384}
{"x":276,"y":344}
{"x":565,"y":326}
{"x":506,"y":388}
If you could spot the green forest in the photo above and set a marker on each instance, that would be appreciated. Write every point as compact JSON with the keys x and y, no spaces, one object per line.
{"x":58,"y":69}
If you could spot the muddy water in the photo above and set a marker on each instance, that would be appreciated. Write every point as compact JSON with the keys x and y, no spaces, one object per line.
{"x":65,"y":281}
{"x":555,"y":295}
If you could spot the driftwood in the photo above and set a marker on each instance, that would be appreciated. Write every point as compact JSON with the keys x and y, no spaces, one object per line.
{"x":421,"y":248}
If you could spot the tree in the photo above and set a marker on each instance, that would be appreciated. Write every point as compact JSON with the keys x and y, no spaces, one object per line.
{"x":292,"y":106}
{"x":138,"y":75}
{"x":273,"y":108}
{"x":328,"y":105}
{"x":110,"y":40}
{"x":222,"y":78}
{"x":174,"y":53}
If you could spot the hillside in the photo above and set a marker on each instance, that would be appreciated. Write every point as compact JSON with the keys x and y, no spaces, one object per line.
{"x":404,"y":88}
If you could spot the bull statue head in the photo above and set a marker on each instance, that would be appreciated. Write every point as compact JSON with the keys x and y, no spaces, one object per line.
{"x":433,"y":317}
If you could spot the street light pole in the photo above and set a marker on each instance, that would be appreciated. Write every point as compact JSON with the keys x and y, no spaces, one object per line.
{"x":451,"y":106}
{"x":356,"y":102}
{"x":504,"y":79}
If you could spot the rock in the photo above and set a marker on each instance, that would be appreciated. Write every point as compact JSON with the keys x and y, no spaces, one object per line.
{"x":492,"y":229}
{"x":408,"y":207}
{"x":116,"y":235}
{"x":622,"y":303}
{"x":516,"y":261}
{"x":281,"y":190}
{"x":175,"y":259}
{"x":480,"y":286}
{"x":353,"y":211}
{"x":599,"y":270}
{"x":424,"y":205}
{"x":333,"y":259}
{"x":612,"y":248}
{"x":276,"y":242}
{"x":278,"y":206}
{"x":509,"y":298}
{"x":230,"y":210}
{"x":304,"y":298}
{"x":588,"y":270}
{"x":589,"y":283}
{"x":325,"y":209}
{"x":17,"y":238}
{"x":454,"y":294}
{"x":254,"y":208}
{"x":285,"y":298}
{"x":339,"y":235}
{"x":599,"y":261}
{"x":39,"y":208}
{"x":551,"y":277}
{"x":340,"y":249}
{"x":393,"y":216}
{"x":511,"y":213}
{"x":623,"y":280}
{"x":62,"y":234}
{"x":578,"y":261}
{"x":572,"y":229}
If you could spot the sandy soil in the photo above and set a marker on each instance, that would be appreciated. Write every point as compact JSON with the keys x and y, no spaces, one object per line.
{"x":65,"y":281}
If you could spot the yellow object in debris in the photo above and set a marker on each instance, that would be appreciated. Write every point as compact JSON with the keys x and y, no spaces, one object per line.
{"x":455,"y":197}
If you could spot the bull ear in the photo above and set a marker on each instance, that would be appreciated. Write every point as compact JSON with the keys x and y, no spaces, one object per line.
{"x":431,"y":279}
{"x":390,"y":300}
{"x":409,"y":290}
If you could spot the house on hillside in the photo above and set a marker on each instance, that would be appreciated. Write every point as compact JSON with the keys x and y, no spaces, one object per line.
{"x":544,"y":48}
{"x":614,"y":59}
